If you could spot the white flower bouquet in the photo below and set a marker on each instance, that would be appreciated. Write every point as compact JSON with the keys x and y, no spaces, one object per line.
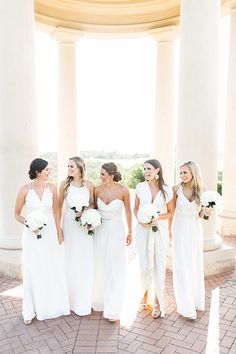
{"x":91,"y":218}
{"x":78,"y":204}
{"x":210,"y":200}
{"x":147,"y":213}
{"x":36,"y":220}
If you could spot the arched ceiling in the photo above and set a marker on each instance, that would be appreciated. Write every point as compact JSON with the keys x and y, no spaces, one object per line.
{"x":108,"y":16}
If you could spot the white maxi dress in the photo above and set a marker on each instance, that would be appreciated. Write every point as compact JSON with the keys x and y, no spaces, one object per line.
{"x":110,"y":261}
{"x":79,"y":256}
{"x":152,"y":246}
{"x":44,"y":283}
{"x":188,"y":270}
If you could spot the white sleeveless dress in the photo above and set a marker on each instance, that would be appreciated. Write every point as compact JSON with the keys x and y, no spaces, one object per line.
{"x":79,"y":257}
{"x":188,"y":270}
{"x":152,"y":246}
{"x":45,"y":292}
{"x":110,"y":261}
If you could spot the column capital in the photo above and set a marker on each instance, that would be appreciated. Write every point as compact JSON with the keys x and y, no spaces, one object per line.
{"x":230,"y":4}
{"x":164,"y":34}
{"x":66,"y":35}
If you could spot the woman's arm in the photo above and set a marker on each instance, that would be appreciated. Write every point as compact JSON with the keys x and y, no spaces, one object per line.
{"x":169,"y":211}
{"x":175,"y":188}
{"x":128,"y":215}
{"x":136,"y":206}
{"x":56,"y":213}
{"x":20,"y":201}
{"x":96,"y":197}
{"x":61,"y":197}
{"x":91,"y":189}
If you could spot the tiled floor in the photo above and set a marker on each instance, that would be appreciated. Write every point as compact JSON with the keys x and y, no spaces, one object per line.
{"x":213,"y":332}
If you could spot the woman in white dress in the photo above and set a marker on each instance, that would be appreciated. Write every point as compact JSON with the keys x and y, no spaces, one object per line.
{"x":78,"y":244}
{"x":111,"y":242}
{"x":152,"y":246}
{"x":45,"y":292}
{"x":188,"y":270}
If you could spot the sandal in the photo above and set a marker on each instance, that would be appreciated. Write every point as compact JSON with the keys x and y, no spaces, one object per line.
{"x":27,"y":322}
{"x":143,"y":304}
{"x":156,"y":312}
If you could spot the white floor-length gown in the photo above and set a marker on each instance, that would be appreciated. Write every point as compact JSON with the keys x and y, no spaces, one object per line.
{"x":45,"y":292}
{"x":79,"y":256}
{"x":110,"y":261}
{"x":188,"y":270}
{"x":152,"y":246}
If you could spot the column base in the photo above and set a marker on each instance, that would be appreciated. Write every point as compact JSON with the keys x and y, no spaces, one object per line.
{"x":227,"y":223}
{"x":11,"y":263}
{"x":212,"y":244}
{"x":215,"y":262}
{"x":220,"y":260}
{"x":10,"y":243}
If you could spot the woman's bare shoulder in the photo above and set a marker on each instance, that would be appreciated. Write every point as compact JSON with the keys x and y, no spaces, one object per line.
{"x":89,"y":184}
{"x":175,"y":188}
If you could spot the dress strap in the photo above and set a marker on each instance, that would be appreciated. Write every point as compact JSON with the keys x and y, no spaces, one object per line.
{"x":179,"y":190}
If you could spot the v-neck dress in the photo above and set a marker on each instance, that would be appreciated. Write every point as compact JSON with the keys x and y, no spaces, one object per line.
{"x":110,"y":260}
{"x":188,"y":270}
{"x":44,"y":283}
{"x":152,"y":246}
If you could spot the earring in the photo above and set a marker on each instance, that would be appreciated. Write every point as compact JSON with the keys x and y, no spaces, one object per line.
{"x":156,"y":176}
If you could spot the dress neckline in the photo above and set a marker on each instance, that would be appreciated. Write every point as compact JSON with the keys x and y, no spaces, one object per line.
{"x":152,"y":200}
{"x":186,"y":197}
{"x":110,"y":201}
{"x":77,"y":186}
{"x":40,"y":199}
{"x":33,"y":189}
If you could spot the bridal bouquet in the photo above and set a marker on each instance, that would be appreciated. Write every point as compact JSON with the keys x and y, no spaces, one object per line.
{"x":36,"y":220}
{"x":78,"y":204}
{"x":209,"y":200}
{"x":91,"y":218}
{"x":147,"y":213}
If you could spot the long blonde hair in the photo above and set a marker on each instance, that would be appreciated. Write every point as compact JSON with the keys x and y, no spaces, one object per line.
{"x":196,"y":182}
{"x":81,"y":166}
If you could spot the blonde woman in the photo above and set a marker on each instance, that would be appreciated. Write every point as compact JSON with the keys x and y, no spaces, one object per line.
{"x":152,"y":246}
{"x":188,"y":272}
{"x":78,"y":244}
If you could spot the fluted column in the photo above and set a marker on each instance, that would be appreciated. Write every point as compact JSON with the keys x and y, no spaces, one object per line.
{"x":198,"y":108}
{"x":67,"y":97}
{"x":165,"y":99}
{"x":228,"y":215}
{"x":18,"y":130}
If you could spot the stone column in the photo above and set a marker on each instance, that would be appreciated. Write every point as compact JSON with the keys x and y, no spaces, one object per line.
{"x":228,"y":215}
{"x":18,"y":129}
{"x":165,"y":100}
{"x":198,"y":108}
{"x":67,"y":98}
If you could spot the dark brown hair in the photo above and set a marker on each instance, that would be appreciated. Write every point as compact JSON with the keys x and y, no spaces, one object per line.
{"x":112,"y":170}
{"x":36,"y":166}
{"x":161,"y":183}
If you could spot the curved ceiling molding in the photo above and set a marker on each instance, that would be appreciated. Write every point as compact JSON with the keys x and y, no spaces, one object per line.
{"x":107,"y":16}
